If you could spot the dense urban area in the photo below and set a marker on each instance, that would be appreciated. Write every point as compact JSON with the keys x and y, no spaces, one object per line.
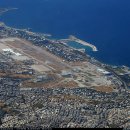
{"x":44,"y":83}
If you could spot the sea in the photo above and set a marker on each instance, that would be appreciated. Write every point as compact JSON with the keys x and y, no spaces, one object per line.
{"x":104,"y":23}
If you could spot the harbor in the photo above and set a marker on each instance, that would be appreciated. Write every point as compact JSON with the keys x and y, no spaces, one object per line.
{"x":75,"y":39}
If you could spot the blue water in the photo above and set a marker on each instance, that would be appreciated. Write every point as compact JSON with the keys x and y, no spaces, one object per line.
{"x":79,"y":46}
{"x":104,"y":23}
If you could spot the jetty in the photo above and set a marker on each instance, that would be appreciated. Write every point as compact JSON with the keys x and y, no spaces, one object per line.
{"x":75,"y":39}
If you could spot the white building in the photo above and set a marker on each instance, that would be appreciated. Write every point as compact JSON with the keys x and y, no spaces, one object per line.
{"x":11,"y":51}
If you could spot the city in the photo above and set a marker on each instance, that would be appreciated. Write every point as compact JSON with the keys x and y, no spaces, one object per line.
{"x":45,"y":83}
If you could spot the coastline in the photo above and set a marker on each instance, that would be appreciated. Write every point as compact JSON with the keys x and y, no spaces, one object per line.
{"x":37,"y":39}
{"x":70,"y":39}
{"x":108,"y":49}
